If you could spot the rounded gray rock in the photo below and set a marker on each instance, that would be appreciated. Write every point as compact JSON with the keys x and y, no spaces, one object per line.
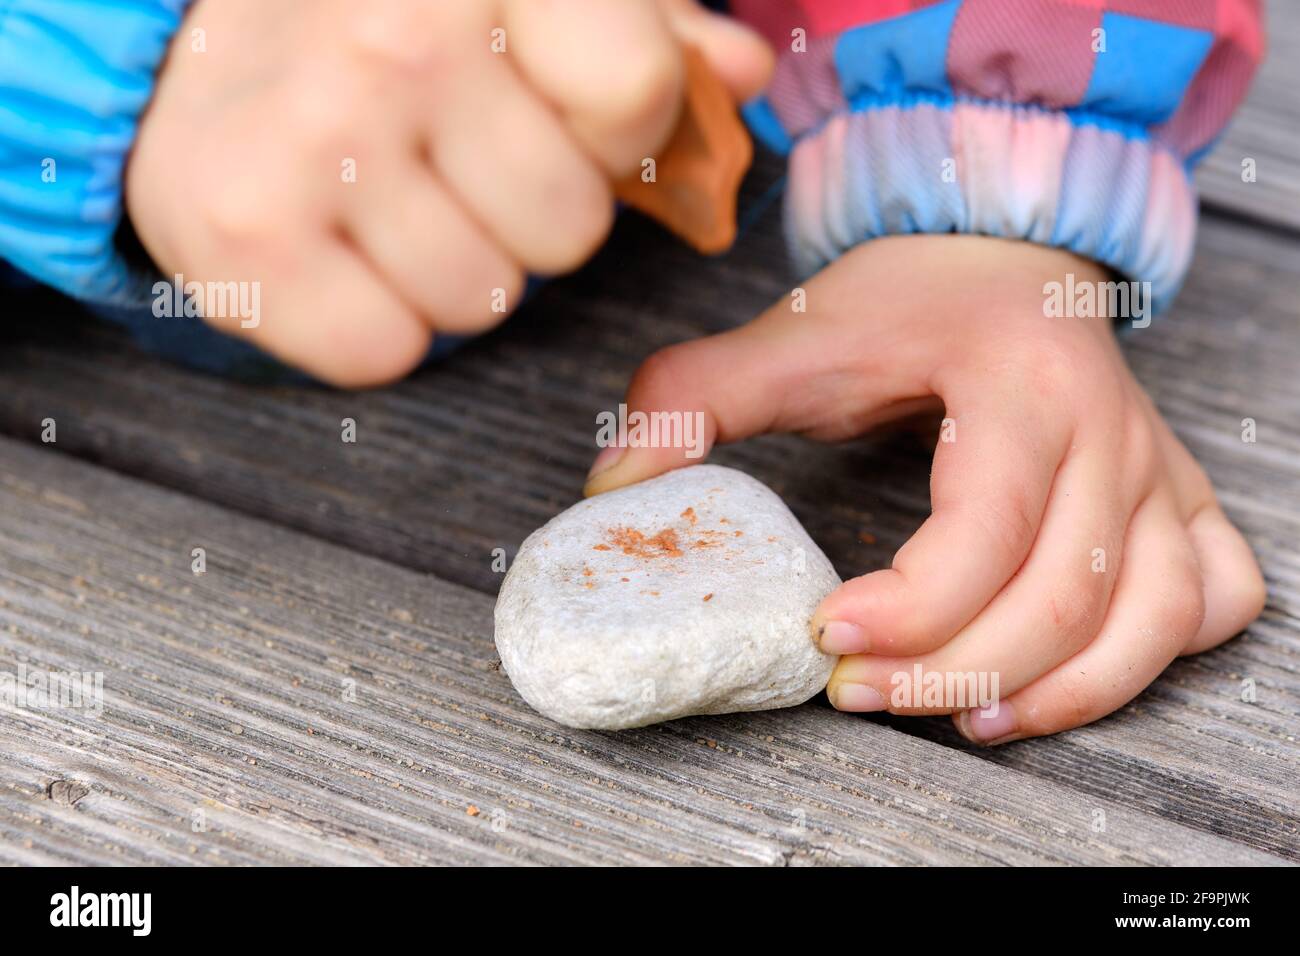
{"x":690,"y":593}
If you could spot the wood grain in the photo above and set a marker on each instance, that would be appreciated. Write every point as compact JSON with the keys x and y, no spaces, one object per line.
{"x":472,"y":455}
{"x":318,"y":706}
{"x":476,"y":453}
{"x":226,"y":691}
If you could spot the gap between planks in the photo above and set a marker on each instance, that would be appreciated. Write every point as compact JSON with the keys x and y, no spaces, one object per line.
{"x":227,"y":704}
{"x":476,"y":453}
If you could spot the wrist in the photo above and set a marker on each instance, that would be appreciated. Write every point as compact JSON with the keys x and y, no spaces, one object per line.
{"x":984,"y":275}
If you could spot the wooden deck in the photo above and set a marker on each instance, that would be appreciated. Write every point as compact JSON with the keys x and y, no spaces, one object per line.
{"x":328,"y":691}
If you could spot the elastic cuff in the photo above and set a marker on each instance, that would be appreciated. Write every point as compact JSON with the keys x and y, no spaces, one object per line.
{"x":1080,"y":182}
{"x":75,"y":76}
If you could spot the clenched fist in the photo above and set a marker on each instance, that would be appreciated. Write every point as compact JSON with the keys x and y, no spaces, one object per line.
{"x":391,"y":169}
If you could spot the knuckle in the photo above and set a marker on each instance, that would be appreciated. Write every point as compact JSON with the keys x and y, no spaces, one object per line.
{"x":1139,"y":445}
{"x":920,"y":630}
{"x":902,"y":624}
{"x":241,"y":209}
{"x":1183,"y":610}
{"x":657,"y":373}
{"x":649,"y":81}
{"x":1009,"y":521}
{"x":588,"y":218}
{"x":395,"y":37}
{"x":1080,"y":703}
{"x":322,"y":116}
{"x":472,"y":307}
{"x":1077,"y":611}
{"x":381,"y":364}
{"x":1199,"y":487}
{"x":1192,"y":610}
{"x":510,"y":280}
{"x":1254,"y":594}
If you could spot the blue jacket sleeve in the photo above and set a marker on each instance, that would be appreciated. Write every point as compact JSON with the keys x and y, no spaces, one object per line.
{"x":75,"y":76}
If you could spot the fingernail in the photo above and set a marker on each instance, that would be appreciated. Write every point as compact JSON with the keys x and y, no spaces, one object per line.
{"x":990,"y":724}
{"x":606,"y":460}
{"x":858,"y":698}
{"x":841,"y":637}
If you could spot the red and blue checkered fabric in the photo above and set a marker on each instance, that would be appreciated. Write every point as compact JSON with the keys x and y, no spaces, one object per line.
{"x":1068,"y":122}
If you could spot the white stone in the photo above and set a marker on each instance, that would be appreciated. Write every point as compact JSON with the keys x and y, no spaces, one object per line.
{"x":690,"y":593}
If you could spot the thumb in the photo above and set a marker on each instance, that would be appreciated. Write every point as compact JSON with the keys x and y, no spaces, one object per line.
{"x":827,"y":373}
{"x":739,"y":56}
{"x":726,"y":387}
{"x":681,"y":401}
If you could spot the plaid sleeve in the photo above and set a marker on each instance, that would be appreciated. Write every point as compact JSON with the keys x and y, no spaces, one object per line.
{"x":1072,"y":123}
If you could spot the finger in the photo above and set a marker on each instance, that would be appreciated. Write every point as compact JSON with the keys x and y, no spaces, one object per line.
{"x":1191,"y":486}
{"x":1158,"y":607}
{"x":1235,"y":592}
{"x":327,"y":312}
{"x":1049,"y":610}
{"x":770,"y":375}
{"x":514,"y":168}
{"x":613,"y":72}
{"x":994,"y":467}
{"x":737,"y":54}
{"x":438,"y":258}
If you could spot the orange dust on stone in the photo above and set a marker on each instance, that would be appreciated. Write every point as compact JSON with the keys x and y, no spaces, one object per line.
{"x":637,"y":544}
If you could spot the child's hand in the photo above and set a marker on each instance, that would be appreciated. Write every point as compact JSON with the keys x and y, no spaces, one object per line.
{"x":1075,"y":548}
{"x":472,"y":167}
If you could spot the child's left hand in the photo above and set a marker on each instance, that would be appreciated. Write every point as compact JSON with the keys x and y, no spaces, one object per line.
{"x":1074,"y":548}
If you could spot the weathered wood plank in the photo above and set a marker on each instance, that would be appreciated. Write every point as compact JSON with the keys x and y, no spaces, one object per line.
{"x":227,"y":692}
{"x":474,"y":454}
{"x":1267,"y":130}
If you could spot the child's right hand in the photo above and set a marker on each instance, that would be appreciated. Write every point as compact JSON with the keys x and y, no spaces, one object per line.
{"x":472,"y":167}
